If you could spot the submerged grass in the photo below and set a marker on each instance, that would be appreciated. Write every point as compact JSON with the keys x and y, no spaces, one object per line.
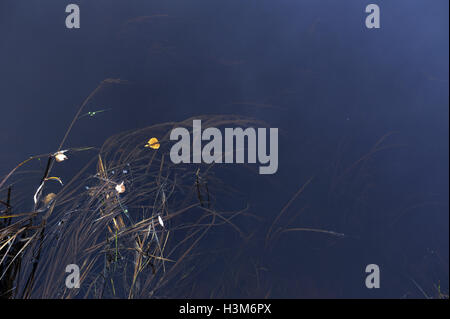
{"x":130,"y":219}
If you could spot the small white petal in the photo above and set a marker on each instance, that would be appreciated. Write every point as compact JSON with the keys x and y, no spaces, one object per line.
{"x":160,"y":221}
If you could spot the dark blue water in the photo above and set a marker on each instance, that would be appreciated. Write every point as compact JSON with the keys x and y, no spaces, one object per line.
{"x":310,"y":68}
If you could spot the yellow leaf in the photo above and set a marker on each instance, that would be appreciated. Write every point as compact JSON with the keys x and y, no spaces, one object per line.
{"x":153,"y":143}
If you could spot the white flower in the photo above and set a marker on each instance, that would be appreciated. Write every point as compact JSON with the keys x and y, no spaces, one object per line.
{"x":120,"y":188}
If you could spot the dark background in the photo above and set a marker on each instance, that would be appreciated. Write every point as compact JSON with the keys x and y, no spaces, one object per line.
{"x":310,"y":68}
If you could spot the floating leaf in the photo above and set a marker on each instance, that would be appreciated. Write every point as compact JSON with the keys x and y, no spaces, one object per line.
{"x":60,"y":156}
{"x":153,"y":143}
{"x":120,"y":188}
{"x":49,"y":198}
